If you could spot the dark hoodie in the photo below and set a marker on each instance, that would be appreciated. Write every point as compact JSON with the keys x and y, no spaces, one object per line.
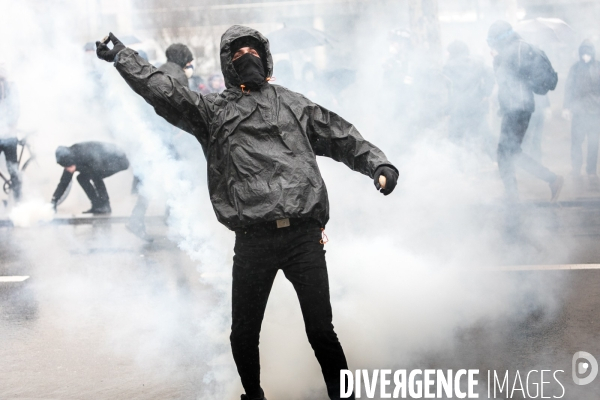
{"x":95,"y":159}
{"x":512,"y":66}
{"x":582,"y":90}
{"x":178,"y":55}
{"x":261,"y":146}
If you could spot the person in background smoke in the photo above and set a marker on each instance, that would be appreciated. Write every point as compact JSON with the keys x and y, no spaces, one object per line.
{"x":95,"y":161}
{"x":9,"y":117}
{"x":179,"y":63}
{"x":532,"y":142}
{"x":512,"y":64}
{"x":215,"y":84}
{"x":261,"y":142}
{"x":471,"y":84}
{"x":582,"y":106}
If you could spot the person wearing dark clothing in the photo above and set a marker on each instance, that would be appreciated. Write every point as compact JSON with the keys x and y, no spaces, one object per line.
{"x":9,"y":117}
{"x":582,"y":106}
{"x":261,"y":141}
{"x":94,"y":161}
{"x":471,"y":84}
{"x":179,"y":63}
{"x":513,"y":64}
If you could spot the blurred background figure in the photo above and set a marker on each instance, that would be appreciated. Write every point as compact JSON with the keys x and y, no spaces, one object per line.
{"x":95,"y":161}
{"x":214,"y":84}
{"x":532,"y":142}
{"x":471,"y":84}
{"x":520,"y":69}
{"x":179,"y":63}
{"x":582,"y":107}
{"x":9,"y":117}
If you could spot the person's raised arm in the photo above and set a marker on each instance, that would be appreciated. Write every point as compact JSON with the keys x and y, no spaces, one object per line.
{"x":332,"y":136}
{"x":177,"y":104}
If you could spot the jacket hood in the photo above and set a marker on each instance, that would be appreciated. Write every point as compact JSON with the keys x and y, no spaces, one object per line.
{"x":232,"y":78}
{"x":587,"y":47}
{"x":500,"y":34}
{"x":64,"y":156}
{"x":179,"y":53}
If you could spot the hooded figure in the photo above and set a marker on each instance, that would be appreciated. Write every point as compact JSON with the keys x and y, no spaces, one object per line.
{"x":9,"y":117}
{"x":582,"y":103}
{"x":94,"y":161}
{"x":513,"y":63}
{"x":261,"y":141}
{"x":178,"y":58}
{"x":471,"y":84}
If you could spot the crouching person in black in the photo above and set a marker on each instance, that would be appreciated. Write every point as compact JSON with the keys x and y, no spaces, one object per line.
{"x":260,"y":142}
{"x":94,"y":161}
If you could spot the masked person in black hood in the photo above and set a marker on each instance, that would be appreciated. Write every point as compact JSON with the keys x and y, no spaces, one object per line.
{"x":94,"y":161}
{"x":261,"y":142}
{"x":582,"y":106}
{"x":519,"y":67}
{"x":179,"y":63}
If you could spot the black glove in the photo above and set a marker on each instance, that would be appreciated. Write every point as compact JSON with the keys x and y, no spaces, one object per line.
{"x":391,"y":177}
{"x":106,"y":54}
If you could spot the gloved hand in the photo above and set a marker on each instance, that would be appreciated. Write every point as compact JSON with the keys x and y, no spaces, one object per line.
{"x":107,"y":54}
{"x":391,"y":177}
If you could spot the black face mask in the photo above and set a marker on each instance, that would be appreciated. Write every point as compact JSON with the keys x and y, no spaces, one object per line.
{"x":251,"y":71}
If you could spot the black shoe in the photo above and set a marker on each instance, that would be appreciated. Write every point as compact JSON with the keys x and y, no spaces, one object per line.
{"x":90,"y":211}
{"x":245,"y":397}
{"x":105,"y":209}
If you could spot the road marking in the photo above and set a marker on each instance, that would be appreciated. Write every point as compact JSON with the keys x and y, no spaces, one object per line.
{"x":555,"y":267}
{"x":13,"y":278}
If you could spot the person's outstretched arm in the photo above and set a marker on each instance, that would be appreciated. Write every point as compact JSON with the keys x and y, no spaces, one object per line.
{"x":65,"y":179}
{"x":171,"y":100}
{"x":332,"y":136}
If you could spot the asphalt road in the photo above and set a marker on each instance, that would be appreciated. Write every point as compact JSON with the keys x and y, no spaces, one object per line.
{"x":94,"y":319}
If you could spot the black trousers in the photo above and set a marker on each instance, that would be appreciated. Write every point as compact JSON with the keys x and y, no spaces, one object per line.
{"x":585,"y":125}
{"x":514,"y":126}
{"x":95,"y":189}
{"x":9,"y":147}
{"x":260,"y":252}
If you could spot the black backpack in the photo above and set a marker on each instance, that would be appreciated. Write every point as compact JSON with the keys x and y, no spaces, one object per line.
{"x":539,"y":73}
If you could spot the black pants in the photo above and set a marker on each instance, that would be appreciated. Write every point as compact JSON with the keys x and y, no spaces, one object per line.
{"x":585,"y":125}
{"x":94,"y":188}
{"x":514,"y":126}
{"x":9,"y":147}
{"x":259,"y":253}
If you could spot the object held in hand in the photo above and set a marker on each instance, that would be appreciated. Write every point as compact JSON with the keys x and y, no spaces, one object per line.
{"x":382,"y":181}
{"x":105,"y":40}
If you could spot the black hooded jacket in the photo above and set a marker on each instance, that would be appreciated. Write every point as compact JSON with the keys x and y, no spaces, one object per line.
{"x":260,"y":146}
{"x":95,"y":159}
{"x":178,"y":55}
{"x":512,"y":66}
{"x":582,"y":90}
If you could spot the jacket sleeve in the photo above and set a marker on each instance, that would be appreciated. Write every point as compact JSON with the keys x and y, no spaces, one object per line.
{"x":171,"y":100}
{"x":65,"y":179}
{"x":570,"y":89}
{"x":332,"y":136}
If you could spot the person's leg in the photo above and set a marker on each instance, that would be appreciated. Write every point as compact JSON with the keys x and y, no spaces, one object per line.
{"x":577,"y":137}
{"x":306,"y":269}
{"x":86,"y":184}
{"x":254,"y":271}
{"x":10,"y":152}
{"x":593,"y":135}
{"x":103,"y":200}
{"x":514,"y":126}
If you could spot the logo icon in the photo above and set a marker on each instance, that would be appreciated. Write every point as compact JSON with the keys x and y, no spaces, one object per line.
{"x":581,"y":368}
